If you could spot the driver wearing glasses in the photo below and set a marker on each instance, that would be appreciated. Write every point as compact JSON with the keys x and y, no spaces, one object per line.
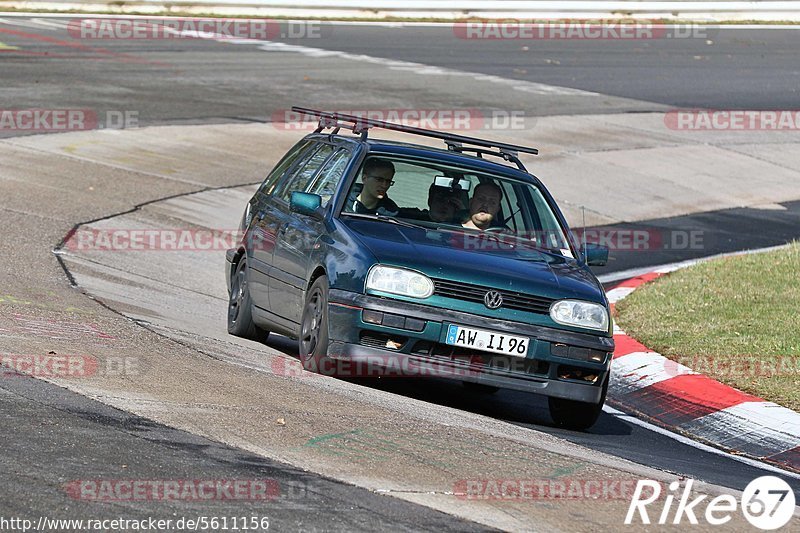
{"x":376,"y":177}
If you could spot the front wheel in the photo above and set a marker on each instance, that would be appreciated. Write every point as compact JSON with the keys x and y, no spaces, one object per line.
{"x":240,"y":308}
{"x":314,"y":326}
{"x":572,"y":414}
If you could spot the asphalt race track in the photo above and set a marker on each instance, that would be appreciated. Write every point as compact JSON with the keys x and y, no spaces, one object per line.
{"x":203,"y":405}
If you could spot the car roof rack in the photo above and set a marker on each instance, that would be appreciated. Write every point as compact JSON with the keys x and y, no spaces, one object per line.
{"x":454,"y":142}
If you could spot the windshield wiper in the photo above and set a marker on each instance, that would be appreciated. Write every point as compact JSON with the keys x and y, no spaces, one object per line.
{"x":386,"y":218}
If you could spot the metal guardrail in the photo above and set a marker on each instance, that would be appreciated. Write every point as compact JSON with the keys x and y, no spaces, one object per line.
{"x":709,"y":10}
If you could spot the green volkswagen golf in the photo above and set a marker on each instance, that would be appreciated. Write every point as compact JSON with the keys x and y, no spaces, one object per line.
{"x":420,"y":261}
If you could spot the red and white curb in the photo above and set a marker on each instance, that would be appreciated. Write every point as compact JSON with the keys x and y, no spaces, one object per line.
{"x":674,"y":396}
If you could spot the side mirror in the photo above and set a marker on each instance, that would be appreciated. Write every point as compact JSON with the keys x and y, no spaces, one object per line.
{"x":306,"y":204}
{"x":595,"y":254}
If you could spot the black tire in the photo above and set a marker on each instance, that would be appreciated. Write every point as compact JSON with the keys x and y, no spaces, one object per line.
{"x":314,"y":326}
{"x":572,"y":414}
{"x":479,"y":388}
{"x":240,"y":308}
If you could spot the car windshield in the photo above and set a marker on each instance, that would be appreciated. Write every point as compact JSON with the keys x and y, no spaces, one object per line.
{"x":445,"y":197}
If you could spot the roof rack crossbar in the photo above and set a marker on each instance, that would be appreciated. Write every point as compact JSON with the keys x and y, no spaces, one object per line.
{"x":507,"y":155}
{"x":361,"y":125}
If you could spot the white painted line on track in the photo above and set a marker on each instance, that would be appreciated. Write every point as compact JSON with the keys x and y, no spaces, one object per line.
{"x":37,"y":23}
{"x":50,"y":24}
{"x":417,"y":68}
{"x":29,"y":23}
{"x":698,"y":445}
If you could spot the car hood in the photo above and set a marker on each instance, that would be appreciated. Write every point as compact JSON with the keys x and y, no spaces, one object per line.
{"x":479,"y":259}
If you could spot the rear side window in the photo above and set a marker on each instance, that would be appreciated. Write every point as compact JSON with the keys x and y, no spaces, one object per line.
{"x":302,"y":174}
{"x":283,"y":165}
{"x":411,"y":182}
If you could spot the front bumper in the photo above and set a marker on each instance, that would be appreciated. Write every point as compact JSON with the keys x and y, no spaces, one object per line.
{"x":557,"y":362}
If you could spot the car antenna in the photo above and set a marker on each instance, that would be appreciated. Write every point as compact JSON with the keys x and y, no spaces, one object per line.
{"x":585,"y":251}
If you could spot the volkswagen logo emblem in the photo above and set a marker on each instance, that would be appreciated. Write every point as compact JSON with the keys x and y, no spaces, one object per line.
{"x":493,"y":299}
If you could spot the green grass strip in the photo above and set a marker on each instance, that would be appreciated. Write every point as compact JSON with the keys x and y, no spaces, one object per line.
{"x":735,"y":319}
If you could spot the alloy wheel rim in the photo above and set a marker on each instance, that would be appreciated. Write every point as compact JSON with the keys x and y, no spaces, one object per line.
{"x":237,"y":296}
{"x":311,"y":324}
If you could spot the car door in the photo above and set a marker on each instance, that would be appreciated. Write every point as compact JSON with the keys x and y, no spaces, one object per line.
{"x":298,"y":233}
{"x":264,"y":222}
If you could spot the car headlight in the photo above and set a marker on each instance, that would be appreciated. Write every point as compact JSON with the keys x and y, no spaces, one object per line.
{"x":581,"y":314}
{"x":399,"y":281}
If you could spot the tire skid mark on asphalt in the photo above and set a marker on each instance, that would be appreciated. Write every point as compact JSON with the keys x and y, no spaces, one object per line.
{"x":57,"y":329}
{"x":363,"y":443}
{"x":126,"y":58}
{"x":394,"y":64}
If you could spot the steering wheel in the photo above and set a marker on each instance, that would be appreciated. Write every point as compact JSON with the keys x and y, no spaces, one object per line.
{"x":497,"y":229}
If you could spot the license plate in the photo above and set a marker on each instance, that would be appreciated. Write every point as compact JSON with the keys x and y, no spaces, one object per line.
{"x":487,"y":341}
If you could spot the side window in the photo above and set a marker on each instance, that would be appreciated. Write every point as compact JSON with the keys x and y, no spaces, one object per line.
{"x":330,"y":176}
{"x":283,"y":165}
{"x":303,"y":173}
{"x":411,"y":184}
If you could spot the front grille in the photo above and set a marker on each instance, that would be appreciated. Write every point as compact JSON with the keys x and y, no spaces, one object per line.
{"x":380,"y":340}
{"x":475,"y":293}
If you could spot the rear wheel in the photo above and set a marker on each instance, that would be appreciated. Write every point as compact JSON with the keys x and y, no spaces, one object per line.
{"x":314,"y":326}
{"x":572,"y":414}
{"x":240,"y":308}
